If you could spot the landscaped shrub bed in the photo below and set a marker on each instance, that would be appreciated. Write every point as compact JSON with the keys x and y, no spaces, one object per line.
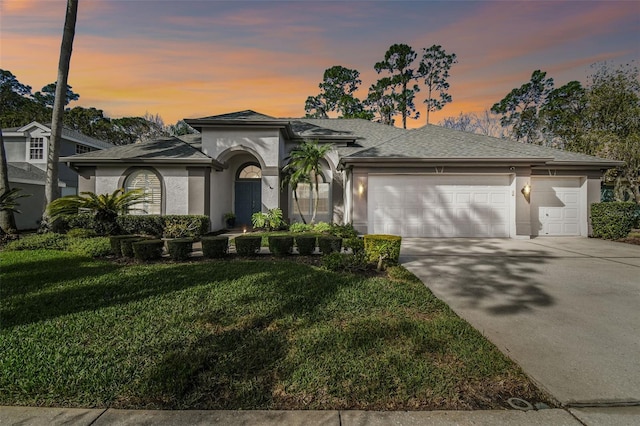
{"x":306,"y":244}
{"x":382,"y":249}
{"x":148,"y":249}
{"x":281,"y":245}
{"x":92,"y":247}
{"x":248,"y":245}
{"x":126,"y":245}
{"x":141,"y":224}
{"x":614,"y":220}
{"x":215,"y":247}
{"x":180,"y":248}
{"x":116,"y":243}
{"x":48,"y":241}
{"x":329,"y":244}
{"x":185,"y":226}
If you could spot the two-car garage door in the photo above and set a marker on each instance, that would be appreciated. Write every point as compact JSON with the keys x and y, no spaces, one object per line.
{"x":439,"y":205}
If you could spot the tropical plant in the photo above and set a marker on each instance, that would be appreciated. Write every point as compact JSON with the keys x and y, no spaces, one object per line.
{"x":104,"y":207}
{"x":270,"y":220}
{"x":9,"y":204}
{"x":305,"y":160}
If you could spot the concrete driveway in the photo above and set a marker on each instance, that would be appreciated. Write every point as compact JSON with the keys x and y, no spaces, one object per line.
{"x":566,"y":309}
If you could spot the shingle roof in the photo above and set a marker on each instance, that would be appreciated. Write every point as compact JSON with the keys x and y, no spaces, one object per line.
{"x":25,"y":171}
{"x":435,"y":142}
{"x":162,"y":150}
{"x":247,"y":115}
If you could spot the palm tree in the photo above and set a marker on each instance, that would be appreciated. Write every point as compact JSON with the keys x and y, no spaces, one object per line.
{"x":304,"y":161}
{"x":105,"y":207}
{"x":51,"y":190}
{"x":9,"y":205}
{"x":293,"y":178}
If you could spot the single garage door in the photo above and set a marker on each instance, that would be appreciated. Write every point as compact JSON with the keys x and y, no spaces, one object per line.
{"x":555,"y":206}
{"x":439,"y":206}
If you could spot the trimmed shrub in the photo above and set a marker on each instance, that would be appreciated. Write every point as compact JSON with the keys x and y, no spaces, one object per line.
{"x":80,"y":220}
{"x":183,"y":226}
{"x":329,"y":244}
{"x":115,"y":242}
{"x":47,"y":241}
{"x":126,"y":245}
{"x":148,"y":249}
{"x":281,"y":245}
{"x":141,"y":224}
{"x":248,"y":245}
{"x":355,"y":244}
{"x":306,"y":244}
{"x":180,"y":248}
{"x":614,"y":220}
{"x":383,"y":249}
{"x":300,"y":227}
{"x":90,"y":247}
{"x":81,"y":233}
{"x":343,"y":231}
{"x":215,"y":247}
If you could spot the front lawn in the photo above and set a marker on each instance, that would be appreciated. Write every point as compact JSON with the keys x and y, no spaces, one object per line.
{"x":236,"y":334}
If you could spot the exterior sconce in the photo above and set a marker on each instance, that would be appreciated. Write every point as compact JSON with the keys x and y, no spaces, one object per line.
{"x":526,"y":191}
{"x":360,"y":189}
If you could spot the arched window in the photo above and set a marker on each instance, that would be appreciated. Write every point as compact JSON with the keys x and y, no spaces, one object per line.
{"x":250,"y":171}
{"x":149,"y":182}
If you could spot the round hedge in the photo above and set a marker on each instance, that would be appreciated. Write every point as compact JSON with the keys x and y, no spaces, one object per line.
{"x":215,"y":247}
{"x":248,"y":245}
{"x":329,"y":244}
{"x":281,"y":245}
{"x":148,"y":249}
{"x":180,"y":248}
{"x":306,"y":244}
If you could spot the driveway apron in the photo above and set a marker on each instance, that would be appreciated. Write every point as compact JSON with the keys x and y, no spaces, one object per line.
{"x":567,"y":310}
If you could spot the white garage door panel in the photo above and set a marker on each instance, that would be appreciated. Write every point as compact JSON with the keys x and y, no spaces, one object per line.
{"x":556,"y":206}
{"x":439,"y":206}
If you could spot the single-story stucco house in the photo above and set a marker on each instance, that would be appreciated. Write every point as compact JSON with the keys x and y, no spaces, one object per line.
{"x":428,"y":182}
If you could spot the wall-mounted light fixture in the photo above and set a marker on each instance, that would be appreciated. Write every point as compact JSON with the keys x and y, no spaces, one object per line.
{"x":526,"y":191}
{"x":360,"y":188}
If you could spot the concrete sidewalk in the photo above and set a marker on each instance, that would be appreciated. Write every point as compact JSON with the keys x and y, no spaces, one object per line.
{"x":558,"y":417}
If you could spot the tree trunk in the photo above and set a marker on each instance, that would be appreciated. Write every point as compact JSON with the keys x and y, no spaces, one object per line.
{"x":51,"y":190}
{"x":7,"y":220}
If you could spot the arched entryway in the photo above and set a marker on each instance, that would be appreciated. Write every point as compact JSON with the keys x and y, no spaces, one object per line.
{"x":248,"y":192}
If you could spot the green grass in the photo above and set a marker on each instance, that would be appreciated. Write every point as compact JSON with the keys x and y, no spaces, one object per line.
{"x":236,"y":335}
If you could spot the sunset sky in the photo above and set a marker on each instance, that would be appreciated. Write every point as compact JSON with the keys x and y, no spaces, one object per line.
{"x":198,"y":58}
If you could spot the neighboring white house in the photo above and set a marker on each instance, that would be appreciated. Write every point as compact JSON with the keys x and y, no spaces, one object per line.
{"x":428,"y":182}
{"x":26,"y":150}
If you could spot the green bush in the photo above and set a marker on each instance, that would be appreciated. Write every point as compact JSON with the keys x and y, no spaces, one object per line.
{"x":81,"y":233}
{"x":614,"y":220}
{"x":126,"y":245}
{"x":355,"y":244}
{"x":281,"y":245}
{"x":141,"y":224}
{"x":329,"y":244}
{"x":83,"y":221}
{"x":344,"y":262}
{"x":343,"y":231}
{"x":271,"y":220}
{"x":48,"y":241}
{"x":115,"y":242}
{"x":383,"y":249}
{"x":183,"y":226}
{"x":148,"y":249}
{"x":180,"y":248}
{"x":90,"y":247}
{"x":215,"y":247}
{"x":306,"y":244}
{"x":321,"y":227}
{"x":300,"y":227}
{"x":248,"y":245}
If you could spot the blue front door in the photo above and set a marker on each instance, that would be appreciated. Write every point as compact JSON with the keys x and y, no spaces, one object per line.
{"x":248,"y":200}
